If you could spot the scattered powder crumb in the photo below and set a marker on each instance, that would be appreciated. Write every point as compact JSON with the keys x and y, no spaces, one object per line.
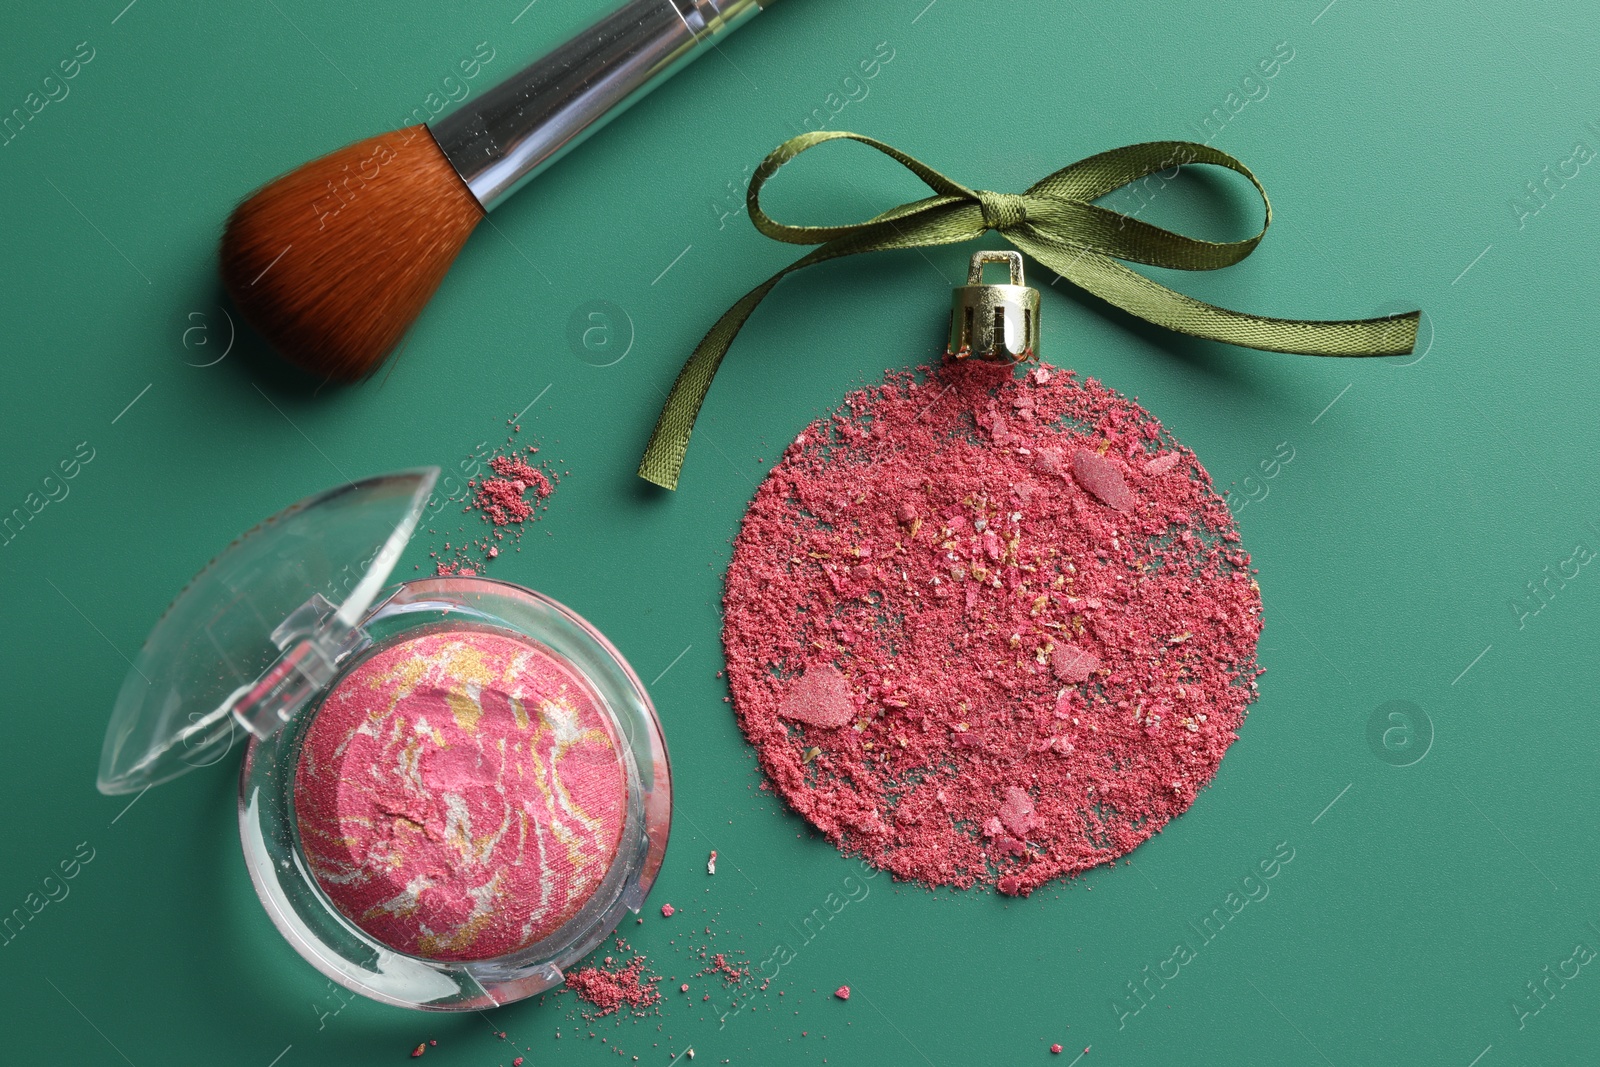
{"x":711,"y":864}
{"x":1056,"y":1049}
{"x":843,"y":992}
{"x":668,"y":911}
{"x":731,"y":973}
{"x":512,"y":494}
{"x":610,"y":990}
{"x":608,"y":983}
{"x":422,"y":1046}
{"x":988,"y":628}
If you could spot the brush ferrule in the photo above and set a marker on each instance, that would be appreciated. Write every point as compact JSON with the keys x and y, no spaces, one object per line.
{"x":516,"y":129}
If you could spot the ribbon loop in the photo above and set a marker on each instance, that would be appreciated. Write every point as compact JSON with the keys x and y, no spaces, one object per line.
{"x":1055,"y":222}
{"x":943,"y":188}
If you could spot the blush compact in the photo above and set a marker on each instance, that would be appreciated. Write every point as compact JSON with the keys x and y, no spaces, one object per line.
{"x":453,"y":788}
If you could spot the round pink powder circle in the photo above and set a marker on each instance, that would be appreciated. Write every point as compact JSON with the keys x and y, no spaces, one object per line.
{"x":459,"y":795}
{"x":989,"y":628}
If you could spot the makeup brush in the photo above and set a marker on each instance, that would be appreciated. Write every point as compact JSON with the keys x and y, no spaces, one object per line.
{"x":332,"y":262}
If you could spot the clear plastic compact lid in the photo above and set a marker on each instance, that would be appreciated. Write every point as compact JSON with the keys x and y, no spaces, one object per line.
{"x":259,"y":630}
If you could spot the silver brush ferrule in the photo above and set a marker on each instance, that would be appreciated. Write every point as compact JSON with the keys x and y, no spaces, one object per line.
{"x":519,"y":127}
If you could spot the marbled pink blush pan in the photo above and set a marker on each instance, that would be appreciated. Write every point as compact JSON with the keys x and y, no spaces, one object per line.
{"x":460,"y":795}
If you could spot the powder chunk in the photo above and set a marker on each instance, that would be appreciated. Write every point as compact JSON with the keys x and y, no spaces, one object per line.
{"x":1073,"y":664}
{"x":820,"y":698}
{"x":1002,"y":646}
{"x":1163,"y":463}
{"x":843,"y":992}
{"x":1102,"y":479}
{"x":1016,"y":812}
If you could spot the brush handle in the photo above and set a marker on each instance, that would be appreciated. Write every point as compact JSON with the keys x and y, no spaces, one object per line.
{"x":516,"y":129}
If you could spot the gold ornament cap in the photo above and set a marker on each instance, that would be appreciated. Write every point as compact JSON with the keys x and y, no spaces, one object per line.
{"x":995,"y":322}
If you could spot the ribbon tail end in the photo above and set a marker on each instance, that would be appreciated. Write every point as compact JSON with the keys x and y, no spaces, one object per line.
{"x":664,"y":479}
{"x":1413,"y":320}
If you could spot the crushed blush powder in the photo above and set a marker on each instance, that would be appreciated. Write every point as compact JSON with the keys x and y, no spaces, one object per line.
{"x":503,"y":499}
{"x":510,"y":496}
{"x":459,"y":795}
{"x":985,"y":628}
{"x":612,"y":986}
{"x":730,"y":972}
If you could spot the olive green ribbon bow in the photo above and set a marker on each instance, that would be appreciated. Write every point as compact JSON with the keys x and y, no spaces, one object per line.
{"x":1055,"y":223}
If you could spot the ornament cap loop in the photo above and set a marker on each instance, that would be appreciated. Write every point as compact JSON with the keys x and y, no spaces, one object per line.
{"x":995,"y":322}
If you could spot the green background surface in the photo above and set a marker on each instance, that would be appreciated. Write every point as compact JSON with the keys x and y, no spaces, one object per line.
{"x":1394,"y":550}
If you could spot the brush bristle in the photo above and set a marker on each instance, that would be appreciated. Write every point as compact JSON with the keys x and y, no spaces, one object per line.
{"x":332,"y":262}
